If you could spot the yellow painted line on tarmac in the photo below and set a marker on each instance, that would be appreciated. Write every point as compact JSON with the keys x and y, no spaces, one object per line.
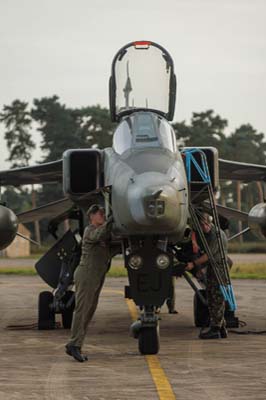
{"x":164,"y":389}
{"x":132,"y":309}
{"x":160,"y":380}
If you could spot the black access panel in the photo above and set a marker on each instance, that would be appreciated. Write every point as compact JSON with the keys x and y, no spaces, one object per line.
{"x":149,"y":285}
{"x":49,"y":265}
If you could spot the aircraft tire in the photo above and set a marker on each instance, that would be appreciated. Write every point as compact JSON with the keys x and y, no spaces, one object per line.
{"x":67,"y":314}
{"x":201,"y":312}
{"x":149,"y":340}
{"x":46,"y":315}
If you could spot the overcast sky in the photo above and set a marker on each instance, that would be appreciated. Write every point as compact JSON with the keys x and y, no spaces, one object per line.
{"x":66,"y":48}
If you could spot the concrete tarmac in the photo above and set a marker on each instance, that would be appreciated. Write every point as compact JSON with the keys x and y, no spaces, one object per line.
{"x":34,"y":365}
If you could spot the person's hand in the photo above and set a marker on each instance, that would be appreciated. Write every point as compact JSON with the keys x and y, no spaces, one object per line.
{"x":110,"y":219}
{"x":189,"y":266}
{"x":199,"y":274}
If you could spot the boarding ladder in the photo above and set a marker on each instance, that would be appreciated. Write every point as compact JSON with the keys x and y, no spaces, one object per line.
{"x":203,"y":178}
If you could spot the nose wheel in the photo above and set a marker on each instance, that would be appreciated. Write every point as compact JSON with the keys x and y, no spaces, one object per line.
{"x":149,"y":340}
{"x":146,"y":330}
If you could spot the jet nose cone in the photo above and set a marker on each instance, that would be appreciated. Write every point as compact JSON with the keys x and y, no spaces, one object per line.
{"x":157,"y":202}
{"x":155,"y":207}
{"x":154,"y":202}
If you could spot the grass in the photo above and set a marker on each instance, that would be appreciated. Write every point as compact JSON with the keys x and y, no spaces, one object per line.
{"x":249,"y":271}
{"x":239,"y":271}
{"x":117,"y":272}
{"x":26,"y":271}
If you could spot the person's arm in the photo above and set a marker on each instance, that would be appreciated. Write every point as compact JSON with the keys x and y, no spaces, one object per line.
{"x":198,"y":262}
{"x":214,"y":249}
{"x":103,"y":232}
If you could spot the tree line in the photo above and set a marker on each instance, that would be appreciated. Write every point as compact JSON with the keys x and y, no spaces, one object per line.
{"x":61,"y":128}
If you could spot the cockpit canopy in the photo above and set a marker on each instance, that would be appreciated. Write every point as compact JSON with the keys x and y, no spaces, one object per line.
{"x":142,"y":78}
{"x":141,"y":130}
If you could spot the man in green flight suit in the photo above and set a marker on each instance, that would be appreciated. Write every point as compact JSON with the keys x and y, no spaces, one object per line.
{"x":89,"y":276}
{"x":215,"y":298}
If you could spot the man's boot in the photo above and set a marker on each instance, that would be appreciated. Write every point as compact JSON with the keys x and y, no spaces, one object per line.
{"x":172,"y":311}
{"x":75,"y":352}
{"x":170,"y":306}
{"x":213,"y":333}
{"x":223,"y":332}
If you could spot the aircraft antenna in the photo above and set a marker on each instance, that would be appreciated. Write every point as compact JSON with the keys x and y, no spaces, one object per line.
{"x":128,"y":87}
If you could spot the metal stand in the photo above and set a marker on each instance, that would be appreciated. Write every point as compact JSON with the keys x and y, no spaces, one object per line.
{"x":221,"y":272}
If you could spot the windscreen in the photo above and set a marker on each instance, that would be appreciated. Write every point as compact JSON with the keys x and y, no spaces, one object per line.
{"x":142,"y":75}
{"x":141,"y":130}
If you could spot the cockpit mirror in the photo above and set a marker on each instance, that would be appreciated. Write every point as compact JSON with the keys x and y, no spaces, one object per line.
{"x":142,"y":79}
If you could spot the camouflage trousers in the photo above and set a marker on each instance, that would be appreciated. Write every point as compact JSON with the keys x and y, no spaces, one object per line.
{"x":215,"y":298}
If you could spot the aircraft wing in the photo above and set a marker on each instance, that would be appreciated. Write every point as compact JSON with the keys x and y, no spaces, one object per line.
{"x":234,"y":170}
{"x":229,"y":213}
{"x":49,"y":210}
{"x":43,"y":173}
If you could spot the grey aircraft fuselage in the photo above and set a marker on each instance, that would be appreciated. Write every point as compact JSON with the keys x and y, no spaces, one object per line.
{"x":148,"y":179}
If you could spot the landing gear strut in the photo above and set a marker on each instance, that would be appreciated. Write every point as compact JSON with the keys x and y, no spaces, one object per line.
{"x":146,"y":330}
{"x":68,"y":308}
{"x":64,"y":256}
{"x":149,"y":265}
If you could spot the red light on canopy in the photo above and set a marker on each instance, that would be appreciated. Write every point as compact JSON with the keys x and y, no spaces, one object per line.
{"x":143,"y":44}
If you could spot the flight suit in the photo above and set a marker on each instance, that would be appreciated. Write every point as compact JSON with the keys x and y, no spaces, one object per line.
{"x":215,"y":298}
{"x":89,"y":278}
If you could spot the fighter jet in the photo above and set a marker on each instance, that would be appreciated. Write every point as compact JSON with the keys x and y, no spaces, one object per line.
{"x":152,"y":189}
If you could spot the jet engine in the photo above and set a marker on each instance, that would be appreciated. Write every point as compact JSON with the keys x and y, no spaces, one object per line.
{"x":8,"y":226}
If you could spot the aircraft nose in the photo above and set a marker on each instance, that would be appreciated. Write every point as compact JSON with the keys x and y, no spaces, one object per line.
{"x":155,"y":207}
{"x":154,"y":201}
{"x":154,"y":204}
{"x":157,"y":202}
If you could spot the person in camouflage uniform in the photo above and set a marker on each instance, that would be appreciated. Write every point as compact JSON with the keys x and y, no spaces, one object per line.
{"x":170,"y":302}
{"x":89,"y":277}
{"x":215,"y":298}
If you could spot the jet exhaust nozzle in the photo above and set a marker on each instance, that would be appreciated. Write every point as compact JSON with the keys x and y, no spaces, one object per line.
{"x":8,"y":226}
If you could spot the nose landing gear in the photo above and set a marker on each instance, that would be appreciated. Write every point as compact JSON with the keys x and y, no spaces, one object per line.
{"x":146,"y":330}
{"x":149,"y":340}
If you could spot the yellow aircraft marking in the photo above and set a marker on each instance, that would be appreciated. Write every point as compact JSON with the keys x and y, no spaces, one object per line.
{"x":163,"y":387}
